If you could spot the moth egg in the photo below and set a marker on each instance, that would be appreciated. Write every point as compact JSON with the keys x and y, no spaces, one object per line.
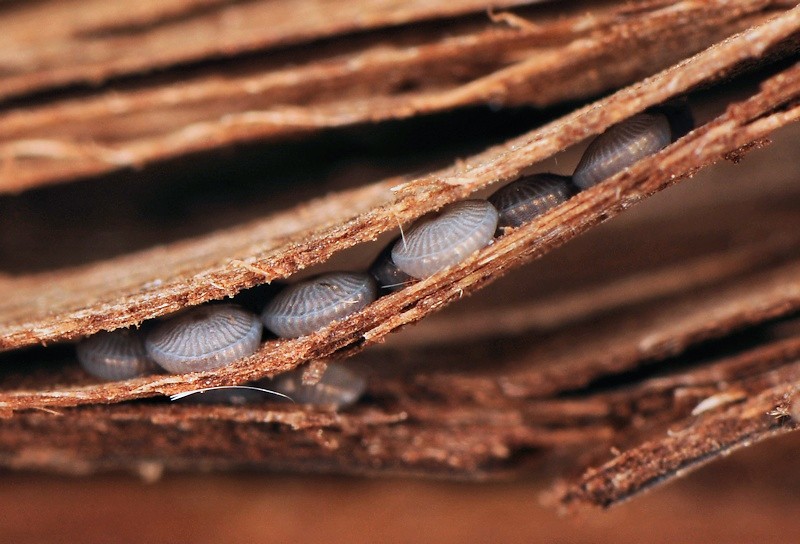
{"x":115,"y":355}
{"x":521,"y":201}
{"x":621,"y":146}
{"x":388,"y":277}
{"x":454,"y":234}
{"x":308,"y":306}
{"x":338,"y":387}
{"x":204,"y":338}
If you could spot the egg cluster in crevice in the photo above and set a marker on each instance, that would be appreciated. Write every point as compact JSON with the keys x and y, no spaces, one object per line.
{"x":215,"y":335}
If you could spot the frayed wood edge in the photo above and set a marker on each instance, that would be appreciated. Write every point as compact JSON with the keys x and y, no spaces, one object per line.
{"x":741,"y":123}
{"x":707,"y":438}
{"x":117,"y":306}
{"x":544,"y":76}
{"x":123,"y":47}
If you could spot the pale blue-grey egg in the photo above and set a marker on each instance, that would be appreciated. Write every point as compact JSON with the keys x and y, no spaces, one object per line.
{"x":621,"y":146}
{"x":432,"y":244}
{"x":519,"y":202}
{"x":308,"y":306}
{"x":115,"y":355}
{"x":204,"y":338}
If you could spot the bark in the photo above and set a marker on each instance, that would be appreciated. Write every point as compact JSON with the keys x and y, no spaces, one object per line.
{"x":664,"y":322}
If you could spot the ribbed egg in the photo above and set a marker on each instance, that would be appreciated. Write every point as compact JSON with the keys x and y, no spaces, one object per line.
{"x":454,"y":234}
{"x":204,"y":338}
{"x":338,"y":387}
{"x":308,"y":306}
{"x":621,"y":146}
{"x":116,"y":355}
{"x":519,"y":202}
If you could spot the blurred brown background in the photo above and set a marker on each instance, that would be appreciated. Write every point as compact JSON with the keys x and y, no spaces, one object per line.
{"x":749,"y":497}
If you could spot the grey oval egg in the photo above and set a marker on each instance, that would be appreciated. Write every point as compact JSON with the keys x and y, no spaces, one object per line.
{"x":457,"y":232}
{"x":338,"y":387}
{"x":519,"y":202}
{"x":115,"y":355}
{"x":308,"y":306}
{"x":204,"y":338}
{"x":388,"y":277}
{"x":621,"y":146}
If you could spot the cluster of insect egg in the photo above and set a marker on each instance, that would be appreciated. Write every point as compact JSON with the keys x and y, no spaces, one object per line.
{"x":464,"y":227}
{"x":205,"y":338}
{"x":213,"y":336}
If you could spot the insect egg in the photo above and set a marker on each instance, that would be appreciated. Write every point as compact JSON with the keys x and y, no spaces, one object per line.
{"x":204,"y":338}
{"x":338,"y":387}
{"x":116,"y":355}
{"x":308,"y":306}
{"x":457,"y":232}
{"x":621,"y":146}
{"x":528,"y":197}
{"x":388,"y":277}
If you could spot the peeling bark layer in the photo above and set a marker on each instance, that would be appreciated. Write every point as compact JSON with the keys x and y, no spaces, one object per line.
{"x":669,"y":334}
{"x":552,"y":61}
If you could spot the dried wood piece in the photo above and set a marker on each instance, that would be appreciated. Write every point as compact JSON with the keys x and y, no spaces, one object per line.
{"x":454,"y":443}
{"x":441,"y":423}
{"x":701,"y":385}
{"x":548,"y":432}
{"x":639,"y":259}
{"x":97,"y":40}
{"x":558,"y":60}
{"x":577,"y":355}
{"x":612,"y":346}
{"x":284,"y":355}
{"x":707,"y":438}
{"x":126,"y":291}
{"x":408,"y":434}
{"x":699,"y":388}
{"x":747,"y":242}
{"x":742,"y":123}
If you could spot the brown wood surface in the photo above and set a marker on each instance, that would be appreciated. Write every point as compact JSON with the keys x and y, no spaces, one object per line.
{"x":737,"y":126}
{"x":414,"y":72}
{"x":169,"y":154}
{"x":747,"y":497}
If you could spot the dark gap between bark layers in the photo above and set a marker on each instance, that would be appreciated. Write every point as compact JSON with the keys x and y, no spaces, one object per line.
{"x":704,"y":138}
{"x":383,"y":316}
{"x":124,"y":128}
{"x":129,"y":290}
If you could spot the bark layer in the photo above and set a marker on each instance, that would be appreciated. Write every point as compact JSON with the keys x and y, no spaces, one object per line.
{"x":680,"y":317}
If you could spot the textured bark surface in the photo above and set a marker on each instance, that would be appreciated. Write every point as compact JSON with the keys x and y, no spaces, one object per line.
{"x":413,"y":72}
{"x":740,"y":124}
{"x":95,"y":41}
{"x":169,"y":278}
{"x":668,"y":336}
